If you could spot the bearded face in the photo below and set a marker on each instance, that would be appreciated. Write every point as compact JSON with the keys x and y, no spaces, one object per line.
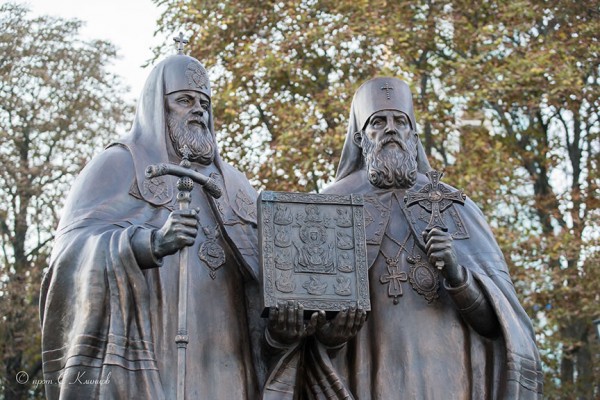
{"x":391,"y":160}
{"x":188,"y":113}
{"x":195,"y":134}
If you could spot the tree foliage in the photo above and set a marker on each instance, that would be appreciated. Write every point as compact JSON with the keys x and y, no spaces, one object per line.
{"x":58,"y":105}
{"x":526,"y":70}
{"x":535,"y":66}
{"x":285,"y":73}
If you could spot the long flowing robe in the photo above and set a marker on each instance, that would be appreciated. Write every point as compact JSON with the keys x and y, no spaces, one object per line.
{"x":109,"y":308}
{"x":425,"y":350}
{"x":421,"y":347}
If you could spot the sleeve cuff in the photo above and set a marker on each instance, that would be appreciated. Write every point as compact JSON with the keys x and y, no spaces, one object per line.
{"x":141,"y":243}
{"x":274,"y":343}
{"x":468,"y":296}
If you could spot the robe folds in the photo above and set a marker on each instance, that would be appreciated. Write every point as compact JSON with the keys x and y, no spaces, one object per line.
{"x":109,"y":308}
{"x":420,"y":349}
{"x":109,"y":314}
{"x":415,"y":344}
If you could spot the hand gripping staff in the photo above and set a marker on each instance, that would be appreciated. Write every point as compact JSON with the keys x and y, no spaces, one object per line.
{"x":185,"y":184}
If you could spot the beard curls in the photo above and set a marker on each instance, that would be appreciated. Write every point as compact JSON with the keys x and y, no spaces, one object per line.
{"x":195,"y":134}
{"x":389,"y":166}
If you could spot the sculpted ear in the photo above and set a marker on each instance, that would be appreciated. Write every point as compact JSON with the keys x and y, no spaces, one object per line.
{"x":357,"y":138}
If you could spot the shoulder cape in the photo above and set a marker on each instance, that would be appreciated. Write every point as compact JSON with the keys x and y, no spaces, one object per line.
{"x":95,"y":302}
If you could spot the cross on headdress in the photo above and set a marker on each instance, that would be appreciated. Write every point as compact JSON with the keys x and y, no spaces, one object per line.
{"x":387,"y":89}
{"x":181,"y":41}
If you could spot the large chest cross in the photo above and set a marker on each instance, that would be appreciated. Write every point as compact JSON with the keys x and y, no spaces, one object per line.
{"x":435,"y":198}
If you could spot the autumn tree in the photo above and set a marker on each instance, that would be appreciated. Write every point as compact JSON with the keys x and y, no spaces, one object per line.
{"x":534,"y":67}
{"x":284,"y":74}
{"x":58,"y":105}
{"x":525,"y":73}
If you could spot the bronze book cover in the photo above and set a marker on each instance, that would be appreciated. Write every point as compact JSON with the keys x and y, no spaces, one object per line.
{"x":313,"y":250}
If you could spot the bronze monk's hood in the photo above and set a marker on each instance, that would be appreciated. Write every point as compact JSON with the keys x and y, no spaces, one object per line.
{"x":375,"y":95}
{"x":147,"y":140}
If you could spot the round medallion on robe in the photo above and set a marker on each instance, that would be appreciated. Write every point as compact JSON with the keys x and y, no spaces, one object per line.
{"x":423,"y":279}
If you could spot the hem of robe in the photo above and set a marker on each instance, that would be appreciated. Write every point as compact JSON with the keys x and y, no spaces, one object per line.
{"x":105,"y":348}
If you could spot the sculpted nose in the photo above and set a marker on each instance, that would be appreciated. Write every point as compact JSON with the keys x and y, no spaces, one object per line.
{"x":391,"y":128}
{"x":197,"y":110}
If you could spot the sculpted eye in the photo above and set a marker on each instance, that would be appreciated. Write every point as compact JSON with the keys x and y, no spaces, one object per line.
{"x":205,"y":105}
{"x":184,"y":101}
{"x":401,"y":121}
{"x":377,"y":122}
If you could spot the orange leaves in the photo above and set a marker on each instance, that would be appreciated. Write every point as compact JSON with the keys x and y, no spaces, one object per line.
{"x":526,"y":69}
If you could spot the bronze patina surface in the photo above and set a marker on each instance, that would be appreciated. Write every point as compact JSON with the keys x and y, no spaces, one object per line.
{"x":313,"y":251}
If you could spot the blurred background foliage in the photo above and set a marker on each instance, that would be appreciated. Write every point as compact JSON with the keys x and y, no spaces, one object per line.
{"x":507,"y":101}
{"x":58,"y":107}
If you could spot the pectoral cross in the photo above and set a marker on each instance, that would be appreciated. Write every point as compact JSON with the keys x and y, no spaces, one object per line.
{"x":180,"y":42}
{"x":435,"y":198}
{"x":387,"y":89}
{"x":394,"y":278}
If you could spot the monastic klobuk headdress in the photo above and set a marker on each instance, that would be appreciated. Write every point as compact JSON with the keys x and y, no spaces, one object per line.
{"x":375,"y":95}
{"x":147,"y":140}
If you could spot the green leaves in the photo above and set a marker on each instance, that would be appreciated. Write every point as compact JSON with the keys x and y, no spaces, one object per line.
{"x":526,"y":75}
{"x":58,"y":106}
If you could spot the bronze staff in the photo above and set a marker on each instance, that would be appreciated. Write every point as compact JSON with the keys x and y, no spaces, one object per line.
{"x":185,"y":184}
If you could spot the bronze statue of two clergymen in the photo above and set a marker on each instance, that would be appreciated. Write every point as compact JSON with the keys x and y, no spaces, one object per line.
{"x":154,"y":290}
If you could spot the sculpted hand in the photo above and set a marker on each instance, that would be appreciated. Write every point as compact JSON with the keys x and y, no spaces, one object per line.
{"x":179,"y":230}
{"x":439,"y":247}
{"x":286,"y":322}
{"x":340,"y":329}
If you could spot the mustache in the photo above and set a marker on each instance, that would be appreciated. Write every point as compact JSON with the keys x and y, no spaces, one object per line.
{"x":197,"y":121}
{"x":392,"y":138}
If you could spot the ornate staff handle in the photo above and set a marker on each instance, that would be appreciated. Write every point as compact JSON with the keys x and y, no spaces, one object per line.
{"x":209,"y":184}
{"x":185,"y":185}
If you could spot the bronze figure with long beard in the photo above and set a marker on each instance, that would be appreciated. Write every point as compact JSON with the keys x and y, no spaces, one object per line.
{"x":194,"y":133}
{"x":391,"y":166}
